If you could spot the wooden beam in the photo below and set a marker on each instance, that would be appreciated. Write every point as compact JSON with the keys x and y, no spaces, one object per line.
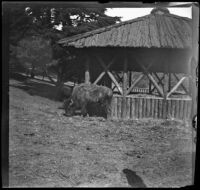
{"x":155,"y":84}
{"x":149,"y":75}
{"x":116,"y":75}
{"x":159,"y":81}
{"x":105,"y":69}
{"x":150,"y":86}
{"x":103,"y":65}
{"x":125,"y":77}
{"x":125,"y":83}
{"x":134,"y":83}
{"x":152,"y":79}
{"x":87,"y":72}
{"x":165,"y":90}
{"x":176,"y":86}
{"x":114,"y":87}
{"x":169,"y":83}
{"x":184,"y":88}
{"x":99,"y":77}
{"x":115,"y":82}
{"x":119,"y":78}
{"x":137,"y":80}
{"x":130,"y":78}
{"x":109,"y":73}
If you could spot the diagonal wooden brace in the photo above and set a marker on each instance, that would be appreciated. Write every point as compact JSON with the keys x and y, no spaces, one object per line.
{"x":184,"y":88}
{"x":105,"y":69}
{"x":99,"y":77}
{"x":136,"y":81}
{"x":152,"y":80}
{"x":109,"y":73}
{"x":176,"y":86}
{"x":116,"y":75}
{"x":119,"y":78}
{"x":160,"y":91}
{"x":159,"y":81}
{"x":115,"y":82}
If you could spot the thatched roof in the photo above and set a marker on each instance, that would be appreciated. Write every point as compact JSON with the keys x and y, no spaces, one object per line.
{"x":160,"y":29}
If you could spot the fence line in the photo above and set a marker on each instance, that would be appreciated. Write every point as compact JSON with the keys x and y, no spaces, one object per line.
{"x":141,"y":107}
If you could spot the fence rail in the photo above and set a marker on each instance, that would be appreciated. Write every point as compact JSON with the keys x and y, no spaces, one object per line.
{"x":150,"y":107}
{"x":139,"y":90}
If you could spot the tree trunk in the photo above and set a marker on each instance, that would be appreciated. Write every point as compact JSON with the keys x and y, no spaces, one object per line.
{"x":49,"y":77}
{"x":58,"y":78}
{"x":33,"y":72}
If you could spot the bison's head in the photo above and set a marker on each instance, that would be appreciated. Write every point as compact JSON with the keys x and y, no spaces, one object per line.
{"x":66,"y":103}
{"x":69,"y":108}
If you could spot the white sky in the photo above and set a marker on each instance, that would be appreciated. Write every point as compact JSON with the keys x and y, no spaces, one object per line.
{"x":131,"y":13}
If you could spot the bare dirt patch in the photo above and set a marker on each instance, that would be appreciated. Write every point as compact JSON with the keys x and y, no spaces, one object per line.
{"x":47,"y":149}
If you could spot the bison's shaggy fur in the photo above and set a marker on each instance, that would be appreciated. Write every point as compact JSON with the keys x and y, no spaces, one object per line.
{"x":90,"y":98}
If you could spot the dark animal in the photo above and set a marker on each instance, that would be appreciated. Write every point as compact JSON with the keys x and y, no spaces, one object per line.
{"x":63,"y":92}
{"x":87,"y":96}
{"x":133,"y":179}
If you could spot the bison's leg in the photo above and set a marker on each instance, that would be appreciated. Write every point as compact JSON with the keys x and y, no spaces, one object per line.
{"x":84,"y":110}
{"x":108,"y":107}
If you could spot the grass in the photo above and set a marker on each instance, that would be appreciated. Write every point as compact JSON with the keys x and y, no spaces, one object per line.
{"x":47,"y":149}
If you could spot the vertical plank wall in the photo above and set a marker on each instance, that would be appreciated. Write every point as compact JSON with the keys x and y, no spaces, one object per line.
{"x":148,"y":107}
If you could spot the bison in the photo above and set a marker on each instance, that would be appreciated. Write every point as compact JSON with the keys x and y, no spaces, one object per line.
{"x":63,"y":92}
{"x":89,"y":98}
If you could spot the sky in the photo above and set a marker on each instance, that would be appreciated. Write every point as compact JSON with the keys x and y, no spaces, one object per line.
{"x":131,"y":13}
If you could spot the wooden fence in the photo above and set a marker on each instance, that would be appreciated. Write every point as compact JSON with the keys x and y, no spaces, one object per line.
{"x":151,"y":107}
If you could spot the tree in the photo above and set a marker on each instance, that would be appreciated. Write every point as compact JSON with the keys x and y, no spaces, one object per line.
{"x":35,"y":52}
{"x":43,"y":20}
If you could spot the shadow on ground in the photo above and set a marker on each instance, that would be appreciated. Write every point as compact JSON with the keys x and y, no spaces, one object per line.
{"x":35,"y":87}
{"x":133,"y":179}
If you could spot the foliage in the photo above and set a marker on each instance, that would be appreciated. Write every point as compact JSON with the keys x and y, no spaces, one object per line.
{"x":43,"y":20}
{"x":34,"y":52}
{"x":14,"y":64}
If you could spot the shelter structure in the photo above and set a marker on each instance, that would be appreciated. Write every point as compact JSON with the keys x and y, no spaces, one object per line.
{"x":156,"y":48}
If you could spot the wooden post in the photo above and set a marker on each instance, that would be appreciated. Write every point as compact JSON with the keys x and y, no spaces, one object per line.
{"x":125,"y":82}
{"x":150,"y":86}
{"x":87,"y":72}
{"x":169,"y":82}
{"x":130,"y":81}
{"x":165,"y":88}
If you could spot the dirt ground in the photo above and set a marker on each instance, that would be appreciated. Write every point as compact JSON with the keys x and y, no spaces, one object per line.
{"x":48,"y":149}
